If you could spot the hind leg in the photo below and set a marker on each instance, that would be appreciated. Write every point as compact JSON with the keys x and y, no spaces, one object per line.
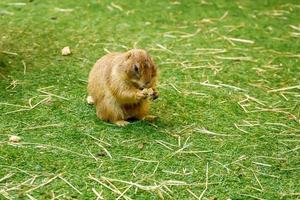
{"x":141,"y":111}
{"x":109,"y":110}
{"x":121,"y":123}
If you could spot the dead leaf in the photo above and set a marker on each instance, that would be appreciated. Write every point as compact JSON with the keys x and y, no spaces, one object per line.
{"x":66,"y":51}
{"x":14,"y":138}
{"x":141,"y":145}
{"x":101,"y":154}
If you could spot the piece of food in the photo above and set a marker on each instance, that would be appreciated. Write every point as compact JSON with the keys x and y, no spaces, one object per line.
{"x":151,"y":94}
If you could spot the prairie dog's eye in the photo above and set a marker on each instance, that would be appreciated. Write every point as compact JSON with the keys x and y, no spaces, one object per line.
{"x":136,"y":68}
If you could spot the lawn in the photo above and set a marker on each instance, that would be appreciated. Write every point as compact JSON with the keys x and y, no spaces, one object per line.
{"x":229,"y":106}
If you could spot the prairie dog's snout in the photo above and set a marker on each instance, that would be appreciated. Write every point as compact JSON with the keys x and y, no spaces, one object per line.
{"x":147,"y":84}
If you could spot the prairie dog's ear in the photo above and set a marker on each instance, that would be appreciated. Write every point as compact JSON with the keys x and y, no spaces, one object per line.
{"x":128,"y":55}
{"x":154,"y":68}
{"x":151,"y":60}
{"x":152,"y":64}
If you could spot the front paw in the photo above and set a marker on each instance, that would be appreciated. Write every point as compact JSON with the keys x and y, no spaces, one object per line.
{"x":141,"y":94}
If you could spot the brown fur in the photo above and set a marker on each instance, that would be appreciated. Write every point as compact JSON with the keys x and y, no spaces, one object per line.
{"x":118,"y":85}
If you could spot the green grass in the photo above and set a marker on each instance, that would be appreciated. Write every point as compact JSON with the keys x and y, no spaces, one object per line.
{"x":259,"y":161}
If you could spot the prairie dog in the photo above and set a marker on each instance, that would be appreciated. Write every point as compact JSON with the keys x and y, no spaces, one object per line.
{"x":121,"y":85}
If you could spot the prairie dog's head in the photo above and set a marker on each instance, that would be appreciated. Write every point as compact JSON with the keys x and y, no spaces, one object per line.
{"x":141,"y":70}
